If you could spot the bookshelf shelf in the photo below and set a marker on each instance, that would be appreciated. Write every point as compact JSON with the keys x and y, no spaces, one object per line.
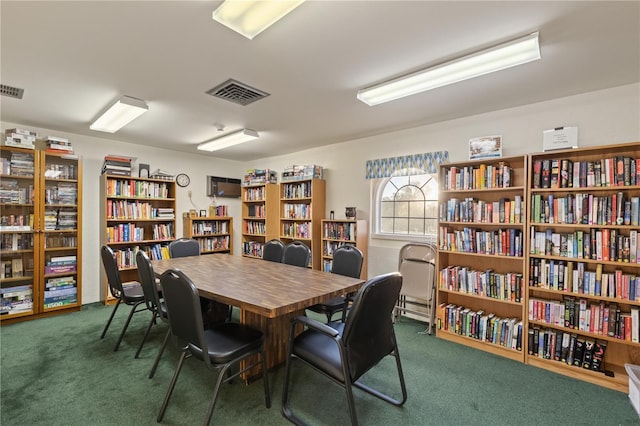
{"x":481,"y":241}
{"x":583,"y":261}
{"x":42,"y":258}
{"x":214,"y":233}
{"x":336,"y":233}
{"x":260,"y":213}
{"x":150,"y":229}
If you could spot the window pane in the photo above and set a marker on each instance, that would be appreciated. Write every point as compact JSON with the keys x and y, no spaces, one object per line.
{"x":431,"y":226}
{"x":416,"y":226}
{"x":386,"y":225}
{"x":431,"y":190}
{"x":401,"y":226}
{"x":431,"y":209}
{"x":386,"y":208}
{"x":416,"y":209}
{"x":401,"y":209}
{"x":399,"y":181}
{"x":408,"y":193}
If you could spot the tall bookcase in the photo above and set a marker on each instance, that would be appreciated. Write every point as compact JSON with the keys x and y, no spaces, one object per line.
{"x":481,"y":262}
{"x":584,"y":264}
{"x":40,"y":226}
{"x":337,"y":233}
{"x":259,"y":217}
{"x":137,"y":214}
{"x":215,"y":233}
{"x":302,"y":208}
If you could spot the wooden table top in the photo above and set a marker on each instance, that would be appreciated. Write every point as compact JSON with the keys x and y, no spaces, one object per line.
{"x":267,"y":288}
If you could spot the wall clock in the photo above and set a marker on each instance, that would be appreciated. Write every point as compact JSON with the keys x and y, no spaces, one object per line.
{"x":183,"y":180}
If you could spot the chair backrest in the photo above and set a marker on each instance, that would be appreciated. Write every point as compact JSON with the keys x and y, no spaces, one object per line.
{"x":368,"y":331}
{"x":347,"y":260}
{"x":183,"y":309}
{"x":416,"y":263}
{"x":296,"y":253}
{"x":183,"y":247}
{"x":148,"y":280}
{"x":273,"y":251}
{"x":111,"y":268}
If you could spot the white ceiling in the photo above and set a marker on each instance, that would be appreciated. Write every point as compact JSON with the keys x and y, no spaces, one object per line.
{"x":73,"y":58}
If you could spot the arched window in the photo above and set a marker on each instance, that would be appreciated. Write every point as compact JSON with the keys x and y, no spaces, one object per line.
{"x":407,"y":206}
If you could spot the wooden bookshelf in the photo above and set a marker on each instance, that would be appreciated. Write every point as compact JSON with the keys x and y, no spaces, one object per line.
{"x":214,"y":233}
{"x":302,"y":208}
{"x":41,"y":234}
{"x":481,"y":262}
{"x":580,"y":258}
{"x":260,"y":217}
{"x":137,"y":214}
{"x":337,"y":233}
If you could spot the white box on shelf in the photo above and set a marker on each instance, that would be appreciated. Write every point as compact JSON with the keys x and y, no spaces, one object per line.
{"x":634,"y":385}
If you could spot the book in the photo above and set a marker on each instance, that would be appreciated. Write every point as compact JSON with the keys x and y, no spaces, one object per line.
{"x":578,"y":352}
{"x":588,"y":353}
{"x":597,"y":359}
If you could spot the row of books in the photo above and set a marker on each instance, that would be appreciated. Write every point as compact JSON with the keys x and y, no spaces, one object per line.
{"x":14,"y":300}
{"x":117,"y":165}
{"x":586,"y":209}
{"x":597,"y":244}
{"x":252,"y":248}
{"x":302,"y":172}
{"x":573,"y":277}
{"x":20,"y":138}
{"x":565,"y":173}
{"x":260,"y":176}
{"x":482,"y":176}
{"x":11,"y":192}
{"x":60,"y":241}
{"x":502,"y":242}
{"x":605,"y":319}
{"x":16,"y":241}
{"x":329,"y":247}
{"x":128,"y":232}
{"x":256,"y":210}
{"x":132,"y":210}
{"x":210,"y":227}
{"x":487,"y":283}
{"x":136,"y":188}
{"x":61,"y":171}
{"x":254,"y":228}
{"x":296,"y":190}
{"x":339,"y":230}
{"x":297,"y":211}
{"x":61,"y":193}
{"x":214,"y":243}
{"x":297,"y":230}
{"x":479,"y":325}
{"x":126,"y":257}
{"x":20,"y":164}
{"x":254,"y":194}
{"x":12,"y":268}
{"x":60,"y":218}
{"x":16,"y":222}
{"x":480,"y":211}
{"x":568,"y":348}
{"x":219,"y":211}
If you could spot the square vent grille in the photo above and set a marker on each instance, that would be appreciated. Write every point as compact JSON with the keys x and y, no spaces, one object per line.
{"x":236,"y":92}
{"x":12,"y":92}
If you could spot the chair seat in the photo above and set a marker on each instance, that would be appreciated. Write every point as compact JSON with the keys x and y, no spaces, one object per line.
{"x":320,"y":350}
{"x":335,"y":304}
{"x":132,"y":292}
{"x":227,"y":341}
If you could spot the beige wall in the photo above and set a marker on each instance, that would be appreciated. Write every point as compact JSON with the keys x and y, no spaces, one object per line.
{"x":602,"y":117}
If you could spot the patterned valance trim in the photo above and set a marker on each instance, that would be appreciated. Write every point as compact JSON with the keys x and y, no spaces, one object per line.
{"x":406,"y":165}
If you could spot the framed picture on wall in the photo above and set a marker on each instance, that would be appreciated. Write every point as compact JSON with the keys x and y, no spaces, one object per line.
{"x":485,"y":147}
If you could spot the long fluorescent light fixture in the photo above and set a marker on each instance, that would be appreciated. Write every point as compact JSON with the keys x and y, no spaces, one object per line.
{"x":516,"y":52}
{"x":250,"y":18}
{"x":230,"y":139}
{"x":118,"y":115}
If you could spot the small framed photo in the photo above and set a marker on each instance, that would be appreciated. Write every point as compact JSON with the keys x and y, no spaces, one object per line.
{"x":203,"y":213}
{"x":485,"y":147}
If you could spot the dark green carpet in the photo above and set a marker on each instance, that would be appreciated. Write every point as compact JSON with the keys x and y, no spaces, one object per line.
{"x":57,"y":371}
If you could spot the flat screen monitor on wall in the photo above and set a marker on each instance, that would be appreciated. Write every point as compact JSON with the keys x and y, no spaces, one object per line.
{"x":223,"y":187}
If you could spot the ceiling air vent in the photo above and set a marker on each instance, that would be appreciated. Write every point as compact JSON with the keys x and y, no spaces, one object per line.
{"x":236,"y":92}
{"x":12,"y":92}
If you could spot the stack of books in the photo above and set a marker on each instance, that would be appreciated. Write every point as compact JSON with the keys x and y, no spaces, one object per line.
{"x":56,"y":144}
{"x":20,"y":138}
{"x":260,"y":176}
{"x":117,"y":165}
{"x":302,"y":172}
{"x":161,"y":174}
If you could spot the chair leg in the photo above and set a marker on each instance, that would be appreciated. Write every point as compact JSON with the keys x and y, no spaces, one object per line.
{"x":126,"y":324}
{"x":172,"y":384}
{"x":146,"y":333}
{"x":216,"y":389}
{"x":113,"y":312}
{"x":160,"y":352}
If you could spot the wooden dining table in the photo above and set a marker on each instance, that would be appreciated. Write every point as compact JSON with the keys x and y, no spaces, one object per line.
{"x":268,"y":294}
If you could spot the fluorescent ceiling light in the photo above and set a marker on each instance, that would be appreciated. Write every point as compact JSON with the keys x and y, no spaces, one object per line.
{"x":249,"y":17}
{"x":230,"y":139}
{"x":118,"y":115}
{"x":516,"y":52}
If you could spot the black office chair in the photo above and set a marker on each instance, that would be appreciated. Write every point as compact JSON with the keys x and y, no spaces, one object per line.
{"x":347,"y":351}
{"x":273,"y":251}
{"x":297,"y":253}
{"x":153,"y":302}
{"x":220,"y":347}
{"x":129,"y":293}
{"x":347,"y":260}
{"x":183,"y":247}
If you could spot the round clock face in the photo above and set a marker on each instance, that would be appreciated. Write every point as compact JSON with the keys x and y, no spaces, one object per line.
{"x":183,"y":180}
